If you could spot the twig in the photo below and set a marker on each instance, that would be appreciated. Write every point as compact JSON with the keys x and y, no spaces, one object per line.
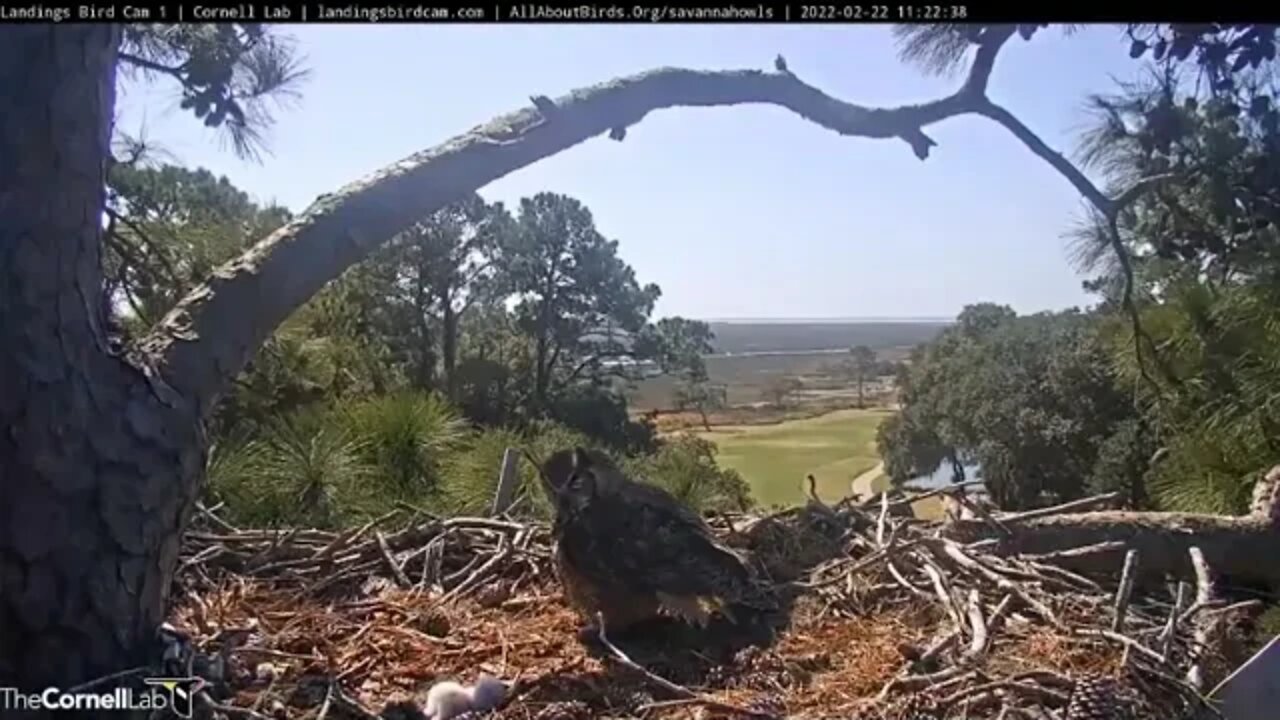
{"x":945,"y":490}
{"x":1034,"y":691}
{"x":476,"y":577}
{"x":1122,"y":639}
{"x":1125,"y":590}
{"x":1170,"y":629}
{"x":884,"y":516}
{"x":1073,"y":553}
{"x":231,"y":710}
{"x":1067,"y":577}
{"x":328,"y":701}
{"x":897,"y":575}
{"x":915,"y":682}
{"x":277,"y":654}
{"x":870,"y":559}
{"x":983,"y":514}
{"x":396,"y":570}
{"x":944,"y":595}
{"x":1204,"y":595}
{"x":1067,"y":507}
{"x":678,"y":690}
{"x":208,"y":514}
{"x":978,"y":644}
{"x":957,"y":554}
{"x":346,"y":538}
{"x":262,"y":696}
{"x":940,"y":646}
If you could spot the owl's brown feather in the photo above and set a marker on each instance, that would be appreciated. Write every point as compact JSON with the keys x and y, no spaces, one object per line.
{"x":631,"y":550}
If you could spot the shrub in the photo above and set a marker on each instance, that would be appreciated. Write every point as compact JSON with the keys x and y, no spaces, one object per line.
{"x":686,"y":467}
{"x":304,"y":471}
{"x":406,"y":438}
{"x":473,"y":473}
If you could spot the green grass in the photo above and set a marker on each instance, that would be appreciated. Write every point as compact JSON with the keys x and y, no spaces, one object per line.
{"x":774,"y":459}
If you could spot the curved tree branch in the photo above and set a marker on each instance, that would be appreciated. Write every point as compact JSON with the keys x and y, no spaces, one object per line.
{"x":210,"y":335}
{"x":1109,"y":208}
{"x":213,"y":332}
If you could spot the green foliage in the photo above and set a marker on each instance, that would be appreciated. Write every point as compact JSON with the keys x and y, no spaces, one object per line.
{"x":677,"y":345}
{"x":1031,"y":399}
{"x":908,"y":450}
{"x":473,"y":473}
{"x":601,"y":413}
{"x":406,"y":437}
{"x":168,"y":228}
{"x":229,"y":73}
{"x":1124,"y":461}
{"x":302,"y":471}
{"x":529,"y":326}
{"x":1206,"y":252}
{"x":578,"y":303}
{"x":1222,"y":50}
{"x":686,"y":467}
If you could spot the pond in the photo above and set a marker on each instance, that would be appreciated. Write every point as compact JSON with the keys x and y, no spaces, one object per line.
{"x":942,"y":477}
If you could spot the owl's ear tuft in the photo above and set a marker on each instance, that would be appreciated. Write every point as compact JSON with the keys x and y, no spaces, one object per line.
{"x":581,"y":460}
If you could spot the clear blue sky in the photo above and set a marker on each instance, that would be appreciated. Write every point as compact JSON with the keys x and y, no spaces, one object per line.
{"x":735,"y":212}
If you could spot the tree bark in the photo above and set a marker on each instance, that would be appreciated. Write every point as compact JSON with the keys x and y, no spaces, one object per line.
{"x":97,"y":463}
{"x":425,"y":367}
{"x":1241,"y":548}
{"x":449,"y":344}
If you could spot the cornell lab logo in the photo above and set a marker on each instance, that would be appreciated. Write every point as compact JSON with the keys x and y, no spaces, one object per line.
{"x":182,"y":693}
{"x":176,"y":694}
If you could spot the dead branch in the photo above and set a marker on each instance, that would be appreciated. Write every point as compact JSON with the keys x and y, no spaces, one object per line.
{"x":1230,"y":544}
{"x":1205,"y":593}
{"x":396,"y":570}
{"x":1089,"y":503}
{"x":1125,"y":591}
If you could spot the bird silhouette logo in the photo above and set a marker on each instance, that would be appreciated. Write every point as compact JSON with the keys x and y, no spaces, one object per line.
{"x":182,"y":693}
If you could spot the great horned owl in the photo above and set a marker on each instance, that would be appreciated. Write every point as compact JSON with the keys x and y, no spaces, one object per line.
{"x":631,"y":551}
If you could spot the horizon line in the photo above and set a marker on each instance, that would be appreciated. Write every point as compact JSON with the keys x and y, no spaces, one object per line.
{"x":829,"y":320}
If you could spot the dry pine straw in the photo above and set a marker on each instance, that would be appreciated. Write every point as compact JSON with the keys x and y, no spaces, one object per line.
{"x":387,"y":643}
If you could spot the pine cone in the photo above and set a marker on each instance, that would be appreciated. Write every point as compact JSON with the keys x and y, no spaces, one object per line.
{"x":769,"y":704}
{"x":917,"y":707}
{"x":572,"y":710}
{"x":1094,"y":698}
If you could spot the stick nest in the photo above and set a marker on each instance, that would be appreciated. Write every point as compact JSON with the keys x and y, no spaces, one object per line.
{"x":884,"y":618}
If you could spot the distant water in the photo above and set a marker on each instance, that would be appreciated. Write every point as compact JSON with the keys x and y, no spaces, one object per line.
{"x":942,"y":477}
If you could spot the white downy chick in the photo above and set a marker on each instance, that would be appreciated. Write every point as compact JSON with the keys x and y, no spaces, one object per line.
{"x":447,"y":700}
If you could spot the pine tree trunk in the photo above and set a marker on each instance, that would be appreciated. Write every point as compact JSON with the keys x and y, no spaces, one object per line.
{"x":449,"y":345}
{"x":97,"y":473}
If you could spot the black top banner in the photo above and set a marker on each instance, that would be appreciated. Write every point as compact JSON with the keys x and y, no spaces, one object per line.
{"x":340,"y":11}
